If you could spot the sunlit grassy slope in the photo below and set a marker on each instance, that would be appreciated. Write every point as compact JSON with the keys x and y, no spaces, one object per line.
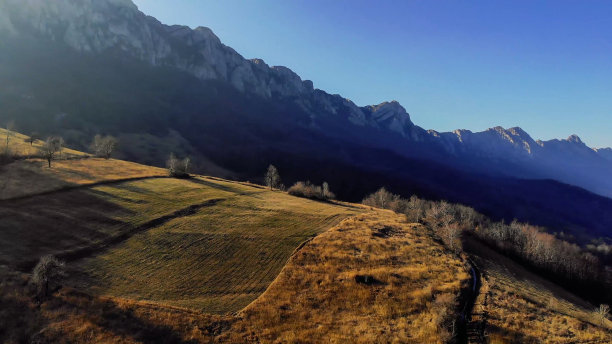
{"x":317,"y":298}
{"x":157,"y":259}
{"x":520,"y":307}
{"x":29,"y":175}
{"x":217,"y":259}
{"x":19,"y":145}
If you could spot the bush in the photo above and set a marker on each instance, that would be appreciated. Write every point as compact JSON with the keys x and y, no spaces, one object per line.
{"x":308,"y":190}
{"x":47,"y":274}
{"x":178,"y":168}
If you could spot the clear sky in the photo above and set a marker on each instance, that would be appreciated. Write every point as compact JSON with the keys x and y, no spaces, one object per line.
{"x":545,"y":66}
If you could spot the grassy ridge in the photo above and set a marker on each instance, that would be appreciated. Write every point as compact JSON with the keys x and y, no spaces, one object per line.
{"x":322,"y":295}
{"x":216,"y":260}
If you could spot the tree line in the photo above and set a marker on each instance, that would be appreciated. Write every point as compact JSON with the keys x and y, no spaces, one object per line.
{"x":564,"y":262}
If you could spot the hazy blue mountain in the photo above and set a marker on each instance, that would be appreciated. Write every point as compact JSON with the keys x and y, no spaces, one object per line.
{"x":80,"y":67}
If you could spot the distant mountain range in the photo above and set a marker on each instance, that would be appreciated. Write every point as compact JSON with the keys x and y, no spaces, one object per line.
{"x":79,"y":67}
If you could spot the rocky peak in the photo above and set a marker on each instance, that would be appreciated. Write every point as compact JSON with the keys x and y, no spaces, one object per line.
{"x":391,"y":115}
{"x":574,"y":139}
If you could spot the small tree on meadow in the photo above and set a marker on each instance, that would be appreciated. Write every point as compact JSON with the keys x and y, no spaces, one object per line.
{"x":33,"y":137}
{"x":272,"y":177}
{"x":50,"y":148}
{"x":327,"y":194}
{"x":602,"y":313}
{"x":47,"y":273}
{"x":178,"y":168}
{"x":10,"y":126}
{"x":103,"y":146}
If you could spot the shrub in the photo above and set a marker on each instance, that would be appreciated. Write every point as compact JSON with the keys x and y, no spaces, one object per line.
{"x":308,"y":190}
{"x":47,"y":273}
{"x":272,"y":178}
{"x":178,"y":168}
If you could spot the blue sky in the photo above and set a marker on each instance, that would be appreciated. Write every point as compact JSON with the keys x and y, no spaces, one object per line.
{"x":545,"y":66}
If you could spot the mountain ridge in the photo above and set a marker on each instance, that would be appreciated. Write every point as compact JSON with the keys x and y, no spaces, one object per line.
{"x":285,"y":113}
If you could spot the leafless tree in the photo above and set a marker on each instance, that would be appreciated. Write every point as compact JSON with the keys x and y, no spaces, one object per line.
{"x":50,"y":148}
{"x":327,"y":193}
{"x":272,"y":177}
{"x":32,"y":138}
{"x":48,"y":272}
{"x":10,"y":126}
{"x":602,"y":313}
{"x":103,"y":146}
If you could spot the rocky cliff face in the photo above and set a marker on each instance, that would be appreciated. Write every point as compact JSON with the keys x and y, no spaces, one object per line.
{"x":117,"y":26}
{"x":94,"y":26}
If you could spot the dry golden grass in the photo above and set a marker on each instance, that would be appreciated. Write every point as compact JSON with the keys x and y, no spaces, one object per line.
{"x":316,"y":297}
{"x":29,"y":177}
{"x":18,"y":146}
{"x":26,"y":177}
{"x":521,"y":307}
{"x":216,"y":260}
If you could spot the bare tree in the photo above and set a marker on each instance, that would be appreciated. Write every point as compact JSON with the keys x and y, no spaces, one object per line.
{"x":48,"y":272}
{"x":382,"y":199}
{"x":103,"y":146}
{"x":602,"y":313}
{"x":10,"y":126}
{"x":50,"y":148}
{"x":32,"y":138}
{"x":272,"y":177}
{"x":178,"y":168}
{"x":327,"y":194}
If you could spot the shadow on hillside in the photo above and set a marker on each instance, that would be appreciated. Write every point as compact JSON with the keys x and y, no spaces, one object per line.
{"x":55,"y":223}
{"x":489,"y":259}
{"x":215,"y":186}
{"x":113,"y":319}
{"x":499,"y":335}
{"x":19,"y":320}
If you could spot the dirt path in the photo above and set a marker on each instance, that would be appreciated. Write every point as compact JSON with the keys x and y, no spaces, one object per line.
{"x":470,"y":326}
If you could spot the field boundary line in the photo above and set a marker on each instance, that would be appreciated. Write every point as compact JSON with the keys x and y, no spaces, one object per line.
{"x":73,"y":187}
{"x":84,"y":252}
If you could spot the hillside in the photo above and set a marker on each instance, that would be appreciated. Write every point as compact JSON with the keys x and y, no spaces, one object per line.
{"x":156,"y":259}
{"x":105,"y":67}
{"x":518,"y":306}
{"x":153,"y":244}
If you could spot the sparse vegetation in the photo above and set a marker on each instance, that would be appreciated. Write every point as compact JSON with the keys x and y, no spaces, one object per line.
{"x":103,"y":146}
{"x":519,"y":306}
{"x":178,"y":168}
{"x":602,"y":313}
{"x":34,"y":136}
{"x":50,"y":149}
{"x":272,"y":178}
{"x":342,"y":288}
{"x":308,"y":190}
{"x":10,"y":126}
{"x":562,"y":261}
{"x":47,"y":274}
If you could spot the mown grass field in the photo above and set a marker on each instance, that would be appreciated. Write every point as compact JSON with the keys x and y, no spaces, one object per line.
{"x":520,"y":307}
{"x":215,"y":260}
{"x":316,"y":297}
